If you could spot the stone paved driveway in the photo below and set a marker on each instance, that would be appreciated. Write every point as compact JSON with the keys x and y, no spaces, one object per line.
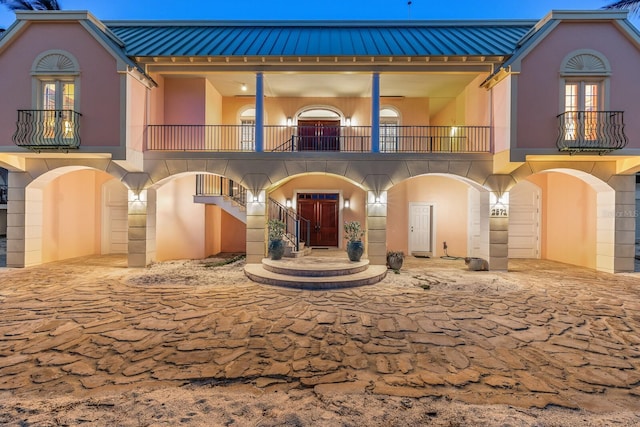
{"x":544,"y":333}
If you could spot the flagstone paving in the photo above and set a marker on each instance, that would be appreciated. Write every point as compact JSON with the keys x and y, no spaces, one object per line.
{"x":543,"y":334}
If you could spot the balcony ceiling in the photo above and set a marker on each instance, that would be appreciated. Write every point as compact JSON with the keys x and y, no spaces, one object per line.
{"x":440,"y":88}
{"x":328,"y":85}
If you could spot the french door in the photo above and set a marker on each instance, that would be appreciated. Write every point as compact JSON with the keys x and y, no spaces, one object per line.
{"x":58,"y":105}
{"x":582,"y":101}
{"x":319,"y":135}
{"x":322,"y":212}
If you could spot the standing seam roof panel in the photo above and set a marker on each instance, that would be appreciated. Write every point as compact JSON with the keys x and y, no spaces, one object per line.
{"x":319,"y":40}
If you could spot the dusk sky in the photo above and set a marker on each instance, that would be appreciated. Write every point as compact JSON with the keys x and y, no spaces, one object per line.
{"x":326,"y":9}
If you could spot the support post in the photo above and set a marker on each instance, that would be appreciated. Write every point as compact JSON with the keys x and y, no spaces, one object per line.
{"x":259,"y":131}
{"x":142,"y":228}
{"x":377,"y":227}
{"x":375,"y":113}
{"x":256,"y":226}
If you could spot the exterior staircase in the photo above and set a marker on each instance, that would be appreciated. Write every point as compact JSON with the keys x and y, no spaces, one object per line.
{"x":315,"y":273}
{"x":223,"y":192}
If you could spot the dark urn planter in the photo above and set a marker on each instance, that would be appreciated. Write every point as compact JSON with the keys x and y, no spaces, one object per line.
{"x":395,"y":260}
{"x":355,"y":249}
{"x":276,"y":249}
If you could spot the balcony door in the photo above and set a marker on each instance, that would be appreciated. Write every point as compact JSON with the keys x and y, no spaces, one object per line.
{"x":318,"y":135}
{"x":322,"y":212}
{"x":582,"y":101}
{"x":58,"y":105}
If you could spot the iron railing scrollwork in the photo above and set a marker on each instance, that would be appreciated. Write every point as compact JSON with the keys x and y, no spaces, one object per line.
{"x":48,"y":129}
{"x":293,"y":223}
{"x":591,"y":131}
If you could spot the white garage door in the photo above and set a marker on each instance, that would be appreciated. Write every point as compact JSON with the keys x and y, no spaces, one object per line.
{"x":524,"y":221}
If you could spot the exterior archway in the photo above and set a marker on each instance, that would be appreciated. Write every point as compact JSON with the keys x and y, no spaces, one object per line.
{"x":63,"y":214}
{"x":578,"y":218}
{"x":455,"y":209}
{"x":195,"y":220}
{"x":326,"y":201}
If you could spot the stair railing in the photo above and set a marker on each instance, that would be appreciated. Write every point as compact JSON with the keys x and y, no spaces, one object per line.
{"x":294,"y":224}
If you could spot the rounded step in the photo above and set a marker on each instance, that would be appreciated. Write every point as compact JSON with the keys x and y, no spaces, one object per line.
{"x":310,"y":266}
{"x":370,"y":276}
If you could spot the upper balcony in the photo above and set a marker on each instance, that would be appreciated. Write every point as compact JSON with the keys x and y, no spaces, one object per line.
{"x":591,"y":131}
{"x":48,"y":129}
{"x":349,"y":139}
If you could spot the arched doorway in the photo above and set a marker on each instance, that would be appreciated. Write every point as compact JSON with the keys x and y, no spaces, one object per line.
{"x":578,"y":218}
{"x":64,"y":214}
{"x":319,"y":129}
{"x":426,"y":211}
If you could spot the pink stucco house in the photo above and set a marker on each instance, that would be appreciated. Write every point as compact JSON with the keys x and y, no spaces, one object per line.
{"x":166,"y":140}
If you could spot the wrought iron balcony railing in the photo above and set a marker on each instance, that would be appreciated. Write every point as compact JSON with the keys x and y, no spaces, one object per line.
{"x":48,"y":129}
{"x":4,"y":191}
{"x":593,"y":131}
{"x":354,"y":139}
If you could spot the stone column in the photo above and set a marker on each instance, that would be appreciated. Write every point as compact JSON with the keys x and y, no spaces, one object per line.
{"x":377,"y":227}
{"x":498,"y":243}
{"x":24,"y":236}
{"x":625,"y":223}
{"x":256,"y":226}
{"x":142,"y":227}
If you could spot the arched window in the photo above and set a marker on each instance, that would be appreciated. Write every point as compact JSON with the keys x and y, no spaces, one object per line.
{"x":389,"y":123}
{"x":319,"y":113}
{"x":584,"y":94}
{"x":56,"y":85}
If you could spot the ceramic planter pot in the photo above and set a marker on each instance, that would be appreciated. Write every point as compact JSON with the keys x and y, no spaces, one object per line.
{"x":276,"y":249}
{"x":355,"y":249}
{"x":395,"y":260}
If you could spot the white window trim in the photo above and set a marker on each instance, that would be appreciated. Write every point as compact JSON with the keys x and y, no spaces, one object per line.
{"x":41,"y":75}
{"x":601,"y":77}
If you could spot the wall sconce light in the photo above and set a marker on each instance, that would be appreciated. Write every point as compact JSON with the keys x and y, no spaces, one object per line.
{"x":346,"y":203}
{"x":347,"y":121}
{"x":288,"y":203}
{"x":289,"y":121}
{"x":243,"y":87}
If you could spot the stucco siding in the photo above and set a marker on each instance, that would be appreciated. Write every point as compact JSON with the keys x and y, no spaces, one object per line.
{"x":539,"y":87}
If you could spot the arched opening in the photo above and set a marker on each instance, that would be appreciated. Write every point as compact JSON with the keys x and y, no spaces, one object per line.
{"x":64,"y":211}
{"x":196,"y":217}
{"x":326,"y":201}
{"x":319,"y":128}
{"x":428,"y":210}
{"x":578,"y":218}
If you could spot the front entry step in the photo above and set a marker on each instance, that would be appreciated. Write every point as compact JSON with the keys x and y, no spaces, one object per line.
{"x":315,"y":273}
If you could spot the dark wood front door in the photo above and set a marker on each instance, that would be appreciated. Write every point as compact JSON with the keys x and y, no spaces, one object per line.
{"x":322,"y":212}
{"x":318,"y":135}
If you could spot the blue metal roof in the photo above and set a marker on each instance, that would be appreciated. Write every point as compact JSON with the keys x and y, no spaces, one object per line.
{"x":317,"y":38}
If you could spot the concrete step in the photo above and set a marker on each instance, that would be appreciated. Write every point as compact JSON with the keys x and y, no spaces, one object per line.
{"x":373,"y":274}
{"x":311,"y":266}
